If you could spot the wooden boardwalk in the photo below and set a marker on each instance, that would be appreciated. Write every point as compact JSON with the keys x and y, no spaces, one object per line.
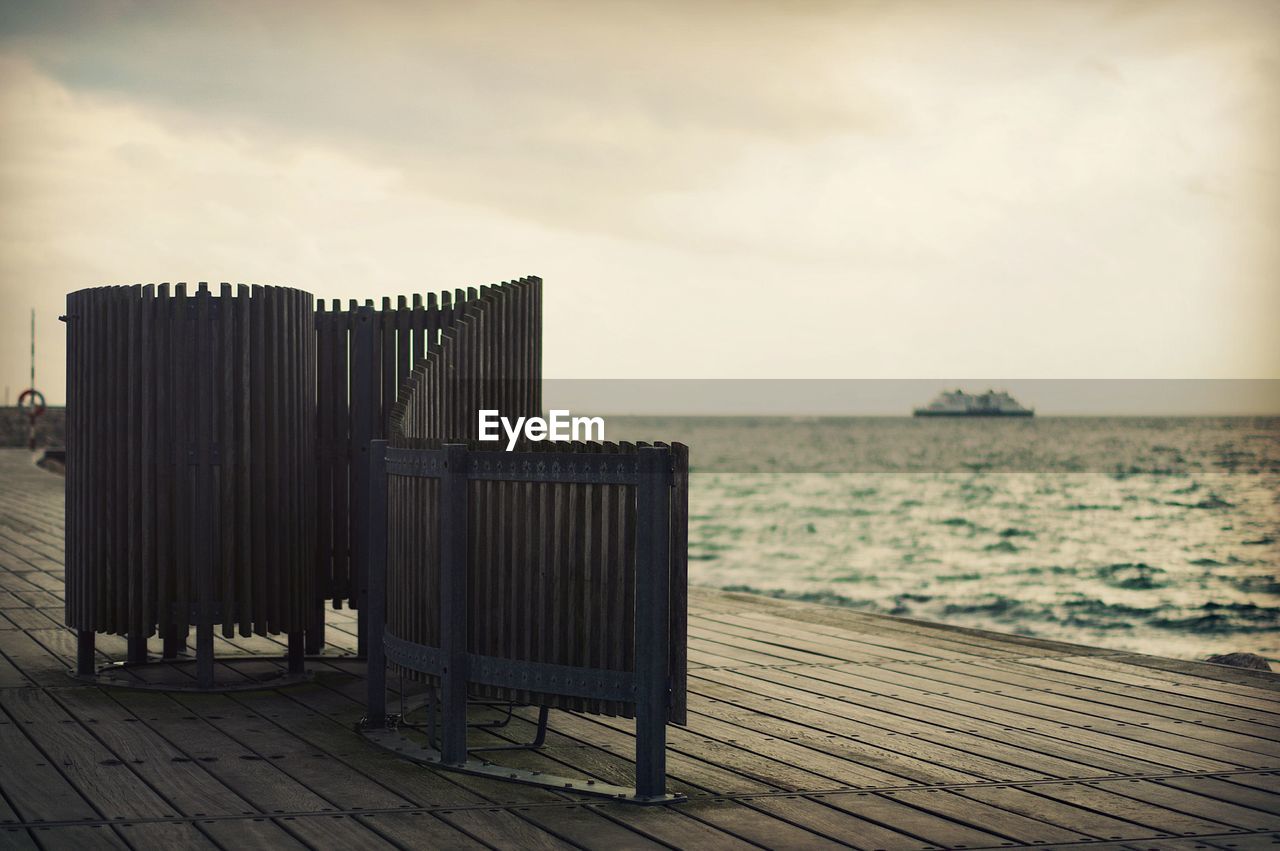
{"x":810,"y":727}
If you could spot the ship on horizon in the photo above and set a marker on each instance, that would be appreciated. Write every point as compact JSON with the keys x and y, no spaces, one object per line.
{"x":957,"y":403}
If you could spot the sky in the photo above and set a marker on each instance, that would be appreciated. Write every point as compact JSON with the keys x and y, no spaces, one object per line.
{"x":861,"y":190}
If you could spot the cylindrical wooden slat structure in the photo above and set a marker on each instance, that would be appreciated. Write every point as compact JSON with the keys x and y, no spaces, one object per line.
{"x":190,"y":491}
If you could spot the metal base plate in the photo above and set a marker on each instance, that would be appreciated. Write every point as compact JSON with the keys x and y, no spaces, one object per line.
{"x":391,"y":739}
{"x":113,"y":675}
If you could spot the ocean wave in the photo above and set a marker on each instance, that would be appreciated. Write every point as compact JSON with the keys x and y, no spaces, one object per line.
{"x":1135,"y":576}
{"x":1088,"y":615}
{"x":1213,"y":501}
{"x":1002,"y":547}
{"x":1218,"y":618}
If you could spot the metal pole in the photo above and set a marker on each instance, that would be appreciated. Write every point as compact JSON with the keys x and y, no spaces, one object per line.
{"x":86,"y":661}
{"x":453,"y":604}
{"x":652,"y":605}
{"x":31,"y":423}
{"x":296,"y":653}
{"x":376,"y":616}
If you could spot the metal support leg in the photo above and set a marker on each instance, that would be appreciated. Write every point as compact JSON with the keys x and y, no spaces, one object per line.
{"x":315,"y":631}
{"x":297,"y":653}
{"x":204,"y":655}
{"x":453,"y":604}
{"x":539,"y":737}
{"x":433,"y":717}
{"x":375,"y":610}
{"x":86,"y":658}
{"x":652,"y":592}
{"x":173,"y":643}
{"x":136,"y":649}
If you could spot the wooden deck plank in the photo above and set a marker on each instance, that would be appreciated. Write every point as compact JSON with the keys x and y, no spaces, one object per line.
{"x":1172,"y":750}
{"x":112,"y":784}
{"x":834,"y":823}
{"x":1065,"y":711}
{"x":32,"y":786}
{"x":1237,"y":811}
{"x":673,"y":826}
{"x":1230,"y":790}
{"x":88,"y":838}
{"x":336,"y":831}
{"x":251,"y":834}
{"x":1015,"y":826}
{"x":261,"y":739}
{"x":1256,"y":699}
{"x":1063,"y":686}
{"x":986,"y":748}
{"x":256,"y":780}
{"x":164,"y":835}
{"x":765,"y":829}
{"x":185,"y":782}
{"x":419,"y":830}
{"x":1028,"y":801}
{"x":932,"y":828}
{"x":1106,"y":799}
{"x":502,"y":829}
{"x":17,"y":839}
{"x":584,"y":826}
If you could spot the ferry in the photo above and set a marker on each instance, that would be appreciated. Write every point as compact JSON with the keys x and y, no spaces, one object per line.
{"x":960,"y":404}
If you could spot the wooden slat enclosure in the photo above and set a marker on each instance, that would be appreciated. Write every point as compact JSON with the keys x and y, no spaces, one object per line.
{"x":190,"y":483}
{"x":552,"y":565}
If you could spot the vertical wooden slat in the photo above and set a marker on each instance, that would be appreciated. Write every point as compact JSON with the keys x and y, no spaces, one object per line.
{"x":342,"y":458}
{"x":132,"y":579}
{"x":387,"y":359}
{"x":259,"y":453}
{"x":311,"y":476}
{"x":276,"y":559}
{"x":225,"y":435}
{"x":164,"y":514}
{"x":147,"y":411}
{"x":679,"y":604}
{"x":183,"y":423}
{"x":418,"y":322}
{"x":203,"y":521}
{"x":246,"y":458}
{"x":73,"y":472}
{"x":287,"y":429}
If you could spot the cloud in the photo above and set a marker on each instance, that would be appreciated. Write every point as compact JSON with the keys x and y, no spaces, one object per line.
{"x":1077,"y":188}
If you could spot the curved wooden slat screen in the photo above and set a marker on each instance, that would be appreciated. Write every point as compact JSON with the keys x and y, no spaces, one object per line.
{"x":190,"y":475}
{"x":365,"y":354}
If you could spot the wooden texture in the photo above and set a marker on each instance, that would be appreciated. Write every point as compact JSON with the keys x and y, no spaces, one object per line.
{"x":551,"y":566}
{"x":809,"y":727}
{"x":190,"y":484}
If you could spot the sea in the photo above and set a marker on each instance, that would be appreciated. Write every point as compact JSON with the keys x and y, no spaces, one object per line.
{"x":1154,"y":535}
